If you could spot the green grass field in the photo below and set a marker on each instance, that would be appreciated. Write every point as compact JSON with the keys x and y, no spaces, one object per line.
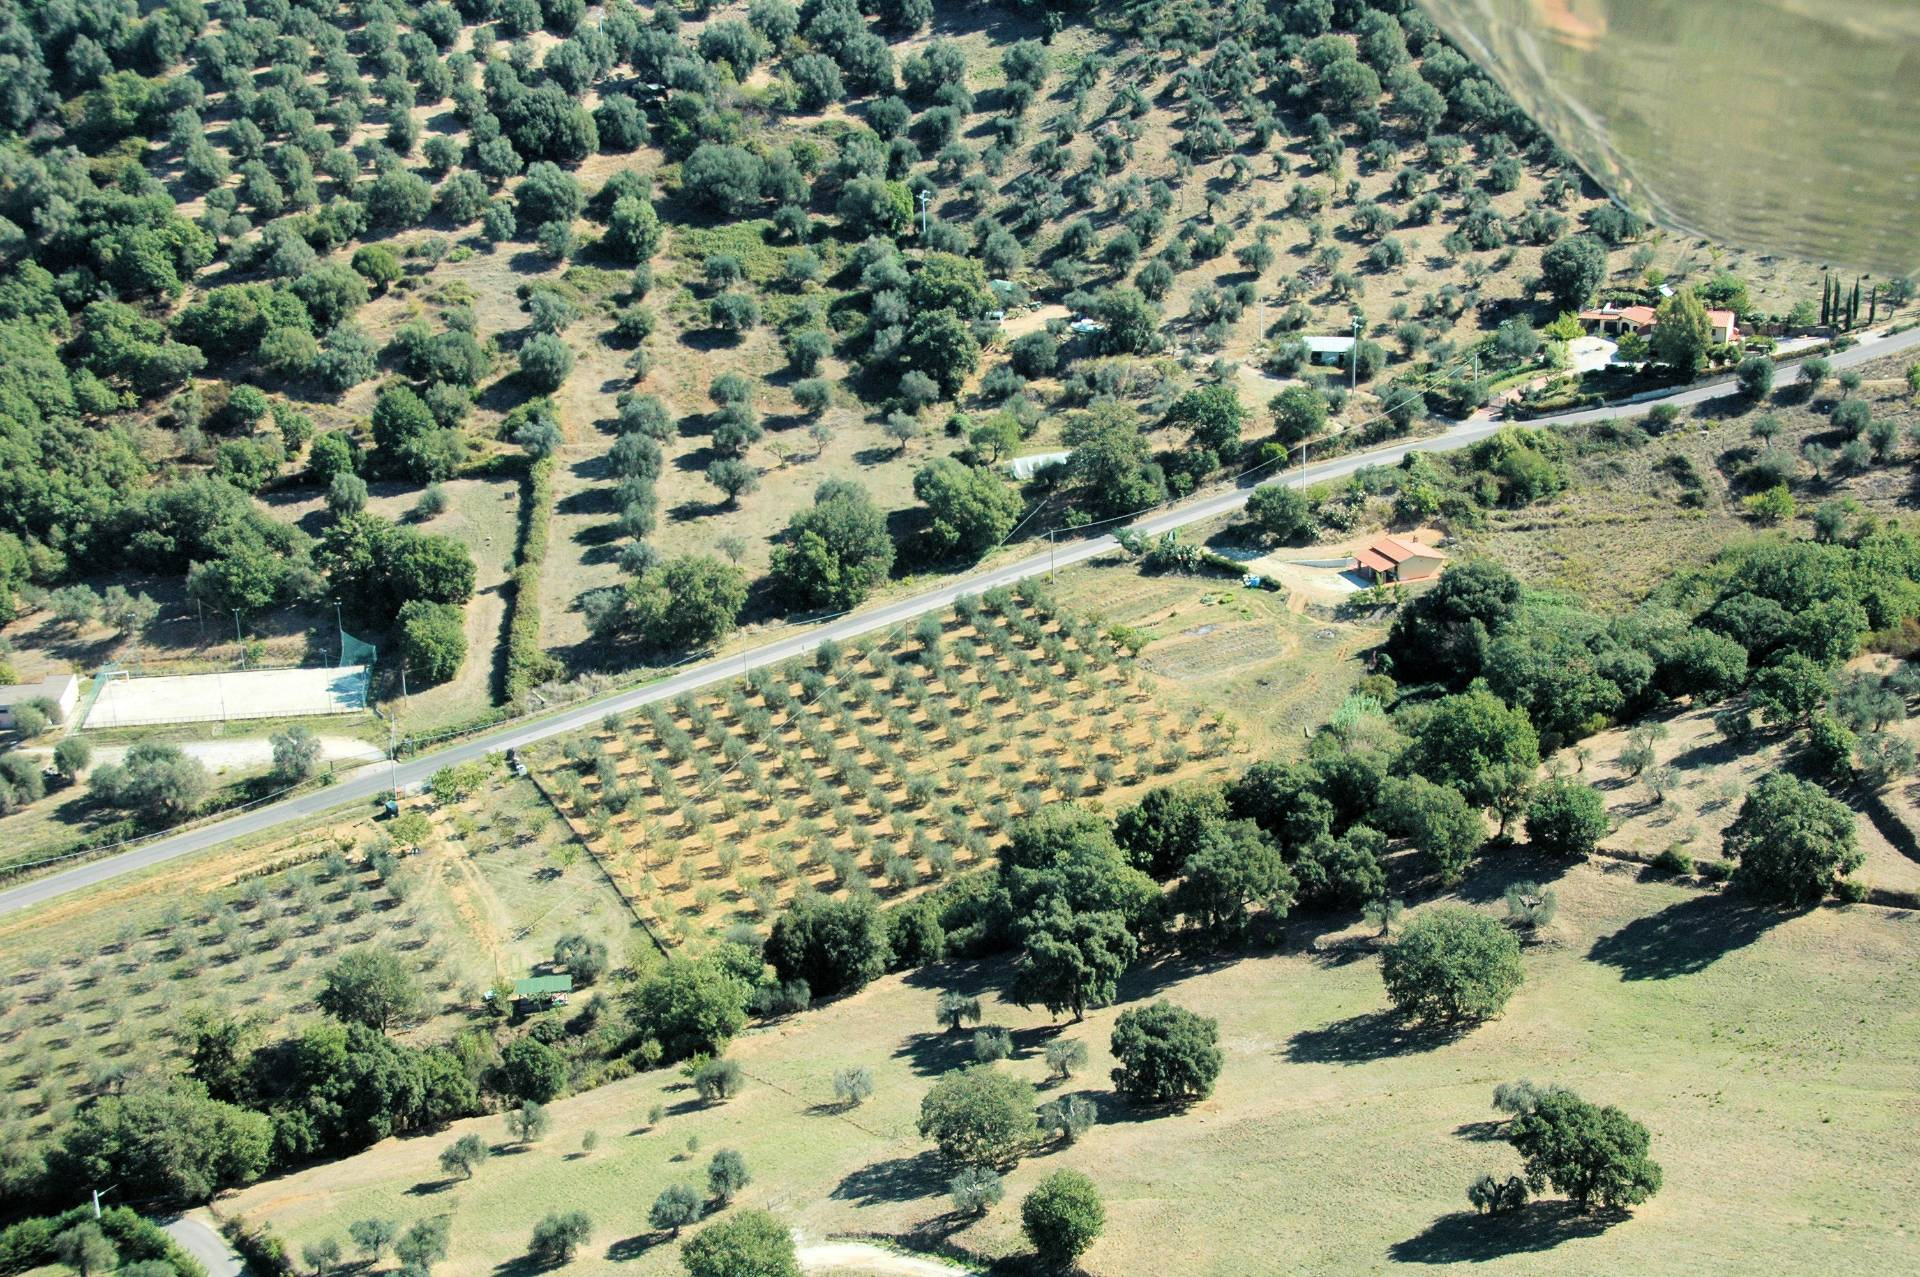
{"x":1334,"y":1144}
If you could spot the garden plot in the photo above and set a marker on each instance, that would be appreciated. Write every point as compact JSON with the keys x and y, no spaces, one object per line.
{"x":199,"y":698}
{"x":874,"y":769}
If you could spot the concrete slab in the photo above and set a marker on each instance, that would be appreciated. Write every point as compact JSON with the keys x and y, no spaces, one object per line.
{"x":203,"y":698}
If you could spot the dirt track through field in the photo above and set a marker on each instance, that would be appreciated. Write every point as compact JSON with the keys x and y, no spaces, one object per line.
{"x":860,"y":1257}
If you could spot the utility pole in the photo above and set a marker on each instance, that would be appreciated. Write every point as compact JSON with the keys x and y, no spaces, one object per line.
{"x":1353,"y":357}
{"x":393,"y":759}
{"x":1050,"y":559}
{"x":236,"y":626}
{"x":926,"y":198}
{"x":340,"y":625}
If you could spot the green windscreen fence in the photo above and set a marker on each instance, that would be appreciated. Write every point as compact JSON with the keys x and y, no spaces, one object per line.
{"x":353,"y":651}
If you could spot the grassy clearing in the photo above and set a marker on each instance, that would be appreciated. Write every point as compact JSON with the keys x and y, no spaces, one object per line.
{"x":1331,"y":1141}
{"x":888,"y":767}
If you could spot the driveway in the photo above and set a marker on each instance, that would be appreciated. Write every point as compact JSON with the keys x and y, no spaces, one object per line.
{"x":361,"y":787}
{"x":196,"y":1234}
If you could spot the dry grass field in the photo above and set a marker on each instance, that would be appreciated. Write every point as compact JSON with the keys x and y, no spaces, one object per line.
{"x":1630,"y":518}
{"x":1334,"y":1142}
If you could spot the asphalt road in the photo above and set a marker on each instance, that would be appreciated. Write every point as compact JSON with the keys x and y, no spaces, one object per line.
{"x":196,"y":1235}
{"x":361,"y":787}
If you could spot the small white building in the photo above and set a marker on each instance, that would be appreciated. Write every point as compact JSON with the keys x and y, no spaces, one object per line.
{"x":62,"y":691}
{"x":1332,"y":351}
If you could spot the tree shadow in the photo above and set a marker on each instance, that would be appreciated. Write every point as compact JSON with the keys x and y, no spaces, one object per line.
{"x":1490,"y":1129}
{"x":432,"y":1187}
{"x":1684,"y":938}
{"x":635,"y":1247}
{"x":520,"y":1266}
{"x":1371,"y":1035}
{"x":1466,"y":1237}
{"x":897,"y":1179}
{"x":934,"y":1052}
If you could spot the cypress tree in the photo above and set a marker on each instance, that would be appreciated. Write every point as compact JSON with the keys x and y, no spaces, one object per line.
{"x":1826,"y":300}
{"x":1853,"y":303}
{"x":1873,"y":304}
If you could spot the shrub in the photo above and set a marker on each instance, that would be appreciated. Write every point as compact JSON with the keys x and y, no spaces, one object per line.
{"x":836,"y":946}
{"x":1450,"y":965}
{"x":1064,"y":1055}
{"x":1166,"y":1054}
{"x":1596,"y":1156}
{"x":677,"y":1206}
{"x":751,"y":1244}
{"x":975,"y":1190}
{"x":853,"y":1086}
{"x":992,"y":1043}
{"x":1530,"y":905}
{"x":978,"y":1116}
{"x":1674,"y":861}
{"x":558,"y":1236}
{"x":727,"y":1175}
{"x":718,"y":1080}
{"x":1566,"y":818}
{"x":1062,"y":1216}
{"x":1792,"y":842}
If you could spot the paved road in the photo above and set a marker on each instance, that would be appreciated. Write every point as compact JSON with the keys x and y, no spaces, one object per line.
{"x":362,"y":786}
{"x":197,"y":1236}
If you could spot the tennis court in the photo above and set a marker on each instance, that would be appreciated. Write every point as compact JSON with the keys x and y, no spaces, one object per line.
{"x":198,"y":698}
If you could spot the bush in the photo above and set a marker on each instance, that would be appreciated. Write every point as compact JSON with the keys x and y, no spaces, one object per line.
{"x":1566,"y":818}
{"x":727,"y":1175}
{"x":1166,"y":1054}
{"x":1596,"y":1156}
{"x":718,"y":1080}
{"x":751,"y":1244}
{"x":1674,"y":861}
{"x":1451,"y":965}
{"x":433,"y":639}
{"x":545,"y":362}
{"x":1792,"y":842}
{"x":991,"y":1044}
{"x":1755,"y":375}
{"x":558,"y":1236}
{"x":1062,"y":1216}
{"x":677,"y":1206}
{"x":836,"y":946}
{"x":532,"y":1070}
{"x":975,"y":1190}
{"x":978,"y":1116}
{"x":1282,"y":512}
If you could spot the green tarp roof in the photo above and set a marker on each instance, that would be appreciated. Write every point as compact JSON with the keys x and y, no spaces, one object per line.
{"x":535,"y":986}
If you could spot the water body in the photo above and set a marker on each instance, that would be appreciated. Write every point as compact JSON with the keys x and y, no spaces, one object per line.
{"x":1779,"y":126}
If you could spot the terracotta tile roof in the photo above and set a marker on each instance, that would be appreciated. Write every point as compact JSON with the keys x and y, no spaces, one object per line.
{"x":1400,"y":549}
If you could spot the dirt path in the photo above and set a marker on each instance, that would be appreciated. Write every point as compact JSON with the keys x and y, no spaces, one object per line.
{"x":1031,"y":321}
{"x":860,"y":1257}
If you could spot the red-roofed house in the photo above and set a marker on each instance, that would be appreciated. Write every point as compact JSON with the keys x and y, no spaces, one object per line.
{"x":1613,"y":320}
{"x":1398,"y":560}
